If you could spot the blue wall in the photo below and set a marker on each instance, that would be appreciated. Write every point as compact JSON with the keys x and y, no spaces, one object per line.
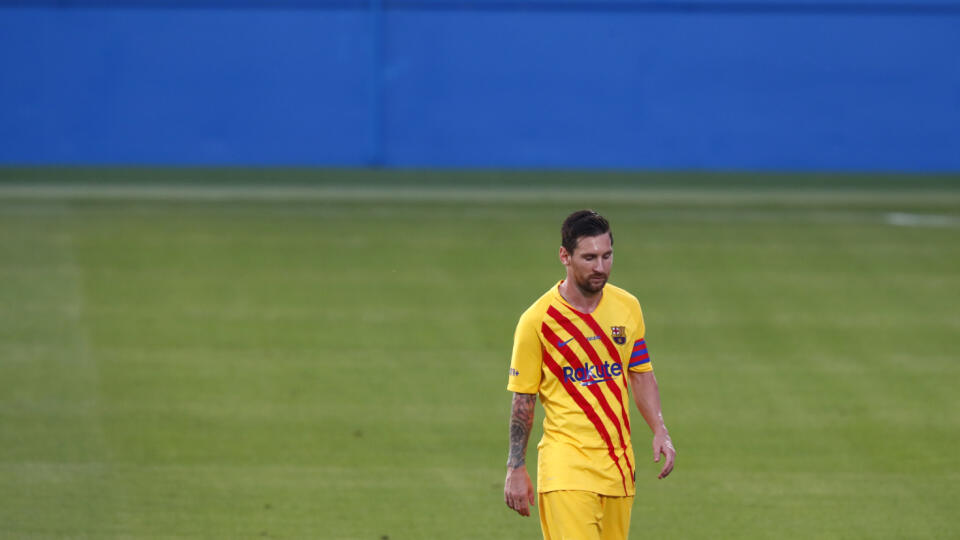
{"x":483,"y":83}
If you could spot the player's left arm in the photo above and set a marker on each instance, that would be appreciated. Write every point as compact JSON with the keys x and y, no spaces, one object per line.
{"x":646,"y":394}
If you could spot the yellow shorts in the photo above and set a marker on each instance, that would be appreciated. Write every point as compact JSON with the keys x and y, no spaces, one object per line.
{"x":584,"y":515}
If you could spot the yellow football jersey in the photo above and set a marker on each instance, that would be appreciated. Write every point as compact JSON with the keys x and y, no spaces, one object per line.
{"x":577,"y":363}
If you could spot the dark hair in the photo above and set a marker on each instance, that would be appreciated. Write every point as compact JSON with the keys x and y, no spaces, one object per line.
{"x":582,"y":223}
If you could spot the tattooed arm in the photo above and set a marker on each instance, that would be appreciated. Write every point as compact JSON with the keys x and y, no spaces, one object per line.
{"x":518,"y":490}
{"x":521,"y":422}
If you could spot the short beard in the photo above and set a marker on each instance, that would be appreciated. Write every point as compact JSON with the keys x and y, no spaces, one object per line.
{"x":588,"y":289}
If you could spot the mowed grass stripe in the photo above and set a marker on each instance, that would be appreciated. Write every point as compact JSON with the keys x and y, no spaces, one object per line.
{"x":50,"y":401}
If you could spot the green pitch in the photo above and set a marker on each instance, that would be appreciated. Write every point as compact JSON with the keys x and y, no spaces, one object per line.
{"x":323,"y":354}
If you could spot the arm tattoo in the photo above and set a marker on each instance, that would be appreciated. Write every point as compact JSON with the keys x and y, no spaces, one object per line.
{"x":521,"y":421}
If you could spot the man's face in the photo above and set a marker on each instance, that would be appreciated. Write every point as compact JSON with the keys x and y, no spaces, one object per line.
{"x":589,"y":265}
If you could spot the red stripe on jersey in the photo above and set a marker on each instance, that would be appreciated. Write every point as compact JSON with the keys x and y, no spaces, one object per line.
{"x":587,"y":410}
{"x":576,"y":334}
{"x":592,"y":323}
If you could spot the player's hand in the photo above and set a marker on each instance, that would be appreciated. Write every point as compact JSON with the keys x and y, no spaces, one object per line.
{"x":518,"y":490}
{"x":662,"y":445}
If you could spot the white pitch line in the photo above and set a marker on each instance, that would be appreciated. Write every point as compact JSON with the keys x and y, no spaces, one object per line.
{"x":921,"y":220}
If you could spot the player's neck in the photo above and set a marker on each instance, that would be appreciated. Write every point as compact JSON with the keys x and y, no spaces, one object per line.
{"x":580,"y":300}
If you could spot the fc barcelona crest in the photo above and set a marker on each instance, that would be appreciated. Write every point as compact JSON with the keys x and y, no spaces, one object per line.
{"x":619,"y":334}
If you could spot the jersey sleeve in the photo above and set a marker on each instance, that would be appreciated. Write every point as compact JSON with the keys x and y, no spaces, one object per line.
{"x":639,"y":356}
{"x":526,"y":361}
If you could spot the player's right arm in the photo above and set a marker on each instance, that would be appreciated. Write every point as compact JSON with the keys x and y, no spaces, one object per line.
{"x":524,"y":382}
{"x":518,"y":490}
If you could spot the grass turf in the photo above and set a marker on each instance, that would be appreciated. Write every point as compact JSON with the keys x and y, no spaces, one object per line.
{"x":333,"y":366}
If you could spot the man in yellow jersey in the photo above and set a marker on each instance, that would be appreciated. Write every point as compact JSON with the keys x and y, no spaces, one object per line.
{"x":577,"y":346}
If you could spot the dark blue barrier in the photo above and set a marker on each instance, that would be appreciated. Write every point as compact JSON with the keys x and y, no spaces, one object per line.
{"x":483,"y":83}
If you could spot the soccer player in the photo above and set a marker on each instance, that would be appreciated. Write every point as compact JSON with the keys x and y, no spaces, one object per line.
{"x":577,"y":346}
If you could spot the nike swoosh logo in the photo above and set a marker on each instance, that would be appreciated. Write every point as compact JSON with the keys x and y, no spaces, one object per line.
{"x":564,"y":343}
{"x":595,"y":381}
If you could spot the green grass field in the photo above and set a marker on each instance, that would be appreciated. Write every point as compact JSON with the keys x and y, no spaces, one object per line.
{"x":323,"y":354}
